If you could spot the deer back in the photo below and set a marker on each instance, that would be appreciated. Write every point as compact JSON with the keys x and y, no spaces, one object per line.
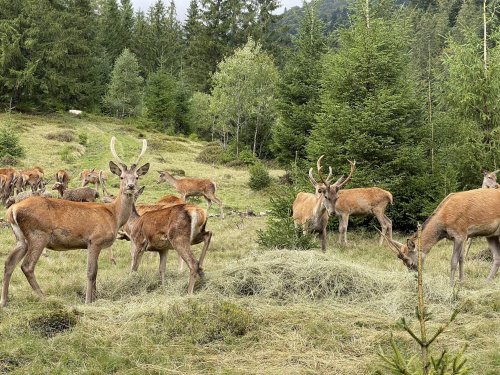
{"x":194,"y":185}
{"x":361,"y":201}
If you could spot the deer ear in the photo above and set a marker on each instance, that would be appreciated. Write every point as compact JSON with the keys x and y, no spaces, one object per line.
{"x":410,"y":244}
{"x":140,"y":191}
{"x":143,"y":170}
{"x":115,"y":169}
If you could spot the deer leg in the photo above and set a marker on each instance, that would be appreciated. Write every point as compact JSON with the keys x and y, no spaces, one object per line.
{"x":495,"y":251}
{"x":183,"y":248}
{"x":163,"y":265}
{"x":383,"y":224}
{"x":467,"y":245}
{"x":136,"y":252}
{"x":92,"y":266}
{"x":207,"y":238}
{"x":111,"y":257}
{"x":10,"y":264}
{"x":388,"y":223}
{"x":29,"y":263}
{"x":455,"y":258}
{"x":343,"y":223}
{"x":180,"y":266}
{"x":209,"y":202}
{"x":322,"y":237}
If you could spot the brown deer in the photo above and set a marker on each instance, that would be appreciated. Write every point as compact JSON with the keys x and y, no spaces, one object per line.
{"x":63,"y":178}
{"x":190,"y":187}
{"x":176,"y":227}
{"x":96,"y":177}
{"x":473,"y":213}
{"x":11,"y":176}
{"x":490,"y":179}
{"x":311,"y":211}
{"x":363,"y":202}
{"x":58,"y":224}
{"x":33,"y":177}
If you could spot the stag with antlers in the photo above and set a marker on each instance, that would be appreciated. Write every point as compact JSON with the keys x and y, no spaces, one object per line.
{"x":473,"y":213}
{"x":58,"y":224}
{"x":311,"y":211}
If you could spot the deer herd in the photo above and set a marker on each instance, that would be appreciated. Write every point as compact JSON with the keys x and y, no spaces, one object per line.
{"x":41,"y":222}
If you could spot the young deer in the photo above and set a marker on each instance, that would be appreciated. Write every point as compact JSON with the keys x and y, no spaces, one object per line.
{"x":61,"y":225}
{"x":363,"y":202}
{"x":311,"y":211}
{"x":176,"y":227}
{"x":490,"y":179}
{"x":473,"y":213}
{"x":190,"y":187}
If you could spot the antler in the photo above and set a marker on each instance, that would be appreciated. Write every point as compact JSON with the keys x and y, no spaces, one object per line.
{"x":143,"y":151}
{"x":393,"y":245}
{"x":311,"y":178}
{"x":113,"y":151}
{"x":341,"y":181}
{"x":318,"y":165}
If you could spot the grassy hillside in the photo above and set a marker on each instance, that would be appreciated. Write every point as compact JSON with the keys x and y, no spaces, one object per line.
{"x":257,"y":311}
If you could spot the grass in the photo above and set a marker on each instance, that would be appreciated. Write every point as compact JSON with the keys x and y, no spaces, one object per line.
{"x":258,"y":311}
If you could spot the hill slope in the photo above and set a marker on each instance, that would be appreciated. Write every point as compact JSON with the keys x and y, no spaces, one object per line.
{"x":256,"y":312}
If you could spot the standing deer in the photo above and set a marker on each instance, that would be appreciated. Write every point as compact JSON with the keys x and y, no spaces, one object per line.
{"x":176,"y":227}
{"x":96,"y":177}
{"x":190,"y":187}
{"x":311,"y":211}
{"x":473,"y":213}
{"x":63,"y":178}
{"x":33,"y":177}
{"x":11,"y":176}
{"x":58,"y":224}
{"x":363,"y":202}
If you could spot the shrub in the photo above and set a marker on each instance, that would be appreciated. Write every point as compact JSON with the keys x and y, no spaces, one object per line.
{"x":247,"y":157}
{"x":83,"y":138}
{"x":280,"y":231}
{"x":71,"y":153}
{"x":203,"y":323}
{"x":212,"y":153}
{"x":259,"y":177}
{"x":9,"y":144}
{"x":62,"y":136}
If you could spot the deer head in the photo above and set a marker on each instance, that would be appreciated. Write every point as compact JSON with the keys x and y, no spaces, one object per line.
{"x":128,"y":176}
{"x":490,"y":179}
{"x":406,"y":252}
{"x":324,"y":189}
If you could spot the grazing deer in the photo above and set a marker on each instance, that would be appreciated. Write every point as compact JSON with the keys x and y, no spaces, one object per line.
{"x":63,"y":178}
{"x":311,"y":211}
{"x":190,"y":187}
{"x":96,"y":177}
{"x":363,"y":202}
{"x":176,"y":227}
{"x":473,"y":213}
{"x":33,"y":178}
{"x":490,"y":179}
{"x":10,"y":178}
{"x":58,"y":224}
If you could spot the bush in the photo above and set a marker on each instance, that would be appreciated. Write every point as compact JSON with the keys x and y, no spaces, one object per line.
{"x":211,"y":154}
{"x":247,"y":157}
{"x":202,"y":323}
{"x":259,"y":177}
{"x":83,"y":139}
{"x":280,"y":231}
{"x":62,"y":136}
{"x":9,"y":144}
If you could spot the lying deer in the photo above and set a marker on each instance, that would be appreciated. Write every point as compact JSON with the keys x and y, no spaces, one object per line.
{"x":363,"y":202}
{"x":59,"y":224}
{"x":311,"y":211}
{"x":176,"y":227}
{"x":473,"y":213}
{"x":190,"y":187}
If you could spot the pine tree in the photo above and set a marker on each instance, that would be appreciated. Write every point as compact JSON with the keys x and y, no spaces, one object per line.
{"x":299,"y":89}
{"x":125,"y":89}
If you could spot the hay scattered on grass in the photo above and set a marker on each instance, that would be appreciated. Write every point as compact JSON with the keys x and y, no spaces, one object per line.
{"x":62,"y":136}
{"x":53,"y":322}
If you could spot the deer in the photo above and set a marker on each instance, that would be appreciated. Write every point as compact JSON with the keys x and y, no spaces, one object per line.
{"x":311,"y":211}
{"x":490,"y":179}
{"x":63,"y":178}
{"x":472,"y":213}
{"x":189,"y":187}
{"x":363,"y":202}
{"x":33,"y":177}
{"x":96,"y":177}
{"x":62,"y":225}
{"x":11,"y":176}
{"x":175,"y":227}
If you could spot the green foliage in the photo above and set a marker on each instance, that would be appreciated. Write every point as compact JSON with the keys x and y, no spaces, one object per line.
{"x":10,"y":145}
{"x":280,"y":230}
{"x":204,"y":323}
{"x":61,"y":136}
{"x":83,"y":139}
{"x":163,"y":102}
{"x":259,"y":177}
{"x":125,"y":89}
{"x":212,"y":153}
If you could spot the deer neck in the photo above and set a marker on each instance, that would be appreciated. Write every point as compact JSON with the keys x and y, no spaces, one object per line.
{"x":170,"y":179}
{"x":431,"y":234}
{"x":124,"y":206}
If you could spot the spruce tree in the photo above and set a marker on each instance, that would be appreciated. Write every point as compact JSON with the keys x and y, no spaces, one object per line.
{"x":125,"y":89}
{"x":299,"y":89}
